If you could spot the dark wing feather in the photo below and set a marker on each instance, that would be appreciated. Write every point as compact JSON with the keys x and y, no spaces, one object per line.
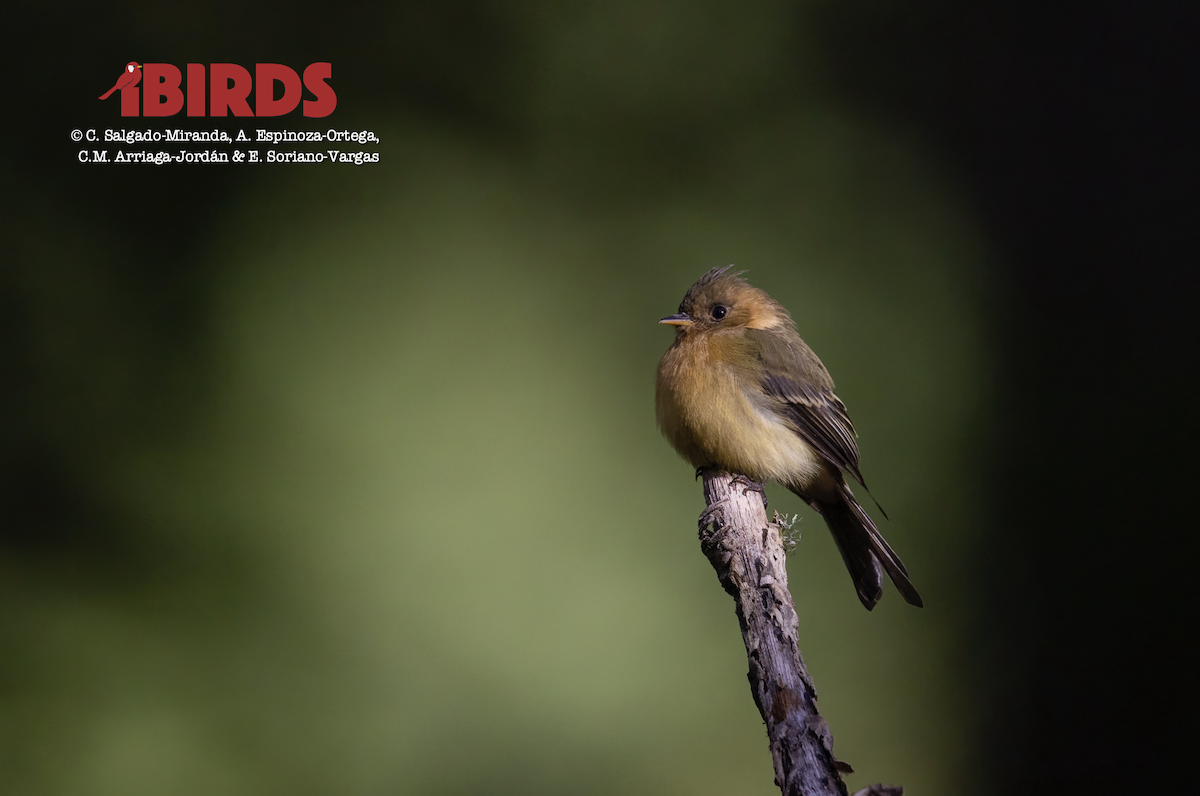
{"x":794,"y":374}
{"x":820,"y":417}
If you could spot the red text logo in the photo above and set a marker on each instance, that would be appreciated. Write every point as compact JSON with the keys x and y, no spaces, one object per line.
{"x":277,"y":89}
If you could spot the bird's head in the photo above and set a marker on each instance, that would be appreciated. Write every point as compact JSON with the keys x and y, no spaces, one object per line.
{"x":722,"y":300}
{"x":131,"y":66}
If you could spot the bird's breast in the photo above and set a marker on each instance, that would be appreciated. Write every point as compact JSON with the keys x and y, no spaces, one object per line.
{"x":714,"y":413}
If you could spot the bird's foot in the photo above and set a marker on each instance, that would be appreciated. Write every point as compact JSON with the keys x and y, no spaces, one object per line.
{"x":709,"y":516}
{"x":749,"y":485}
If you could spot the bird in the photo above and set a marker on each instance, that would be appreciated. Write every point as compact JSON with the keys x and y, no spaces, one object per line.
{"x":740,"y":391}
{"x":129,"y":77}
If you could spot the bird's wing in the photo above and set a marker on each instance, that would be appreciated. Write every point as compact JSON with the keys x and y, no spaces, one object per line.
{"x":793,"y":374}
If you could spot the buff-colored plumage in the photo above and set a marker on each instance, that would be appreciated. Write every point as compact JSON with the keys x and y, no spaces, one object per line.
{"x":740,"y":391}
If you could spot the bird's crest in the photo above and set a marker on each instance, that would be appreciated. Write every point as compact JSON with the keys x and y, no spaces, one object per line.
{"x":720,"y":273}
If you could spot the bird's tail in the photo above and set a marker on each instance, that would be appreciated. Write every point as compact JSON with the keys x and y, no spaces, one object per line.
{"x":864,"y":550}
{"x":108,"y":93}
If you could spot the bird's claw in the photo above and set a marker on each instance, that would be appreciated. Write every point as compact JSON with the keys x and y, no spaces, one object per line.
{"x":709,"y":515}
{"x":749,"y":485}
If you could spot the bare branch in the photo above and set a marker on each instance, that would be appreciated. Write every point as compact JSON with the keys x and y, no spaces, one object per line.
{"x":747,"y":553}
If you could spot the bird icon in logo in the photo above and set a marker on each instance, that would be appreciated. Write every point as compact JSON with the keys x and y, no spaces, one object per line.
{"x":129,"y":77}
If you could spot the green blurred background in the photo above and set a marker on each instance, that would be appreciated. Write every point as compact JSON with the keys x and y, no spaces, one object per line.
{"x":345,"y":480}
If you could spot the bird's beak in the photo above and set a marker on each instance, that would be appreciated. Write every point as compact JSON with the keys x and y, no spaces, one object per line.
{"x":681,"y":319}
{"x":139,"y":66}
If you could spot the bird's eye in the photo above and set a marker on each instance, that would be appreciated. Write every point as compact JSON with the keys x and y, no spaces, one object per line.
{"x":129,"y":68}
{"x":719,"y":311}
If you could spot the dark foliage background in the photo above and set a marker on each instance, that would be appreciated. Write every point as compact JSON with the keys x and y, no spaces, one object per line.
{"x":1074,"y":132}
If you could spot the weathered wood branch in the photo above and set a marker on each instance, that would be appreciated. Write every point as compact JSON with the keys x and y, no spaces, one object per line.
{"x":747,"y":552}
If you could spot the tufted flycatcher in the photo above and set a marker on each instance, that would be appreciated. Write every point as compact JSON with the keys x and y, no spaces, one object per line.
{"x":739,"y":391}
